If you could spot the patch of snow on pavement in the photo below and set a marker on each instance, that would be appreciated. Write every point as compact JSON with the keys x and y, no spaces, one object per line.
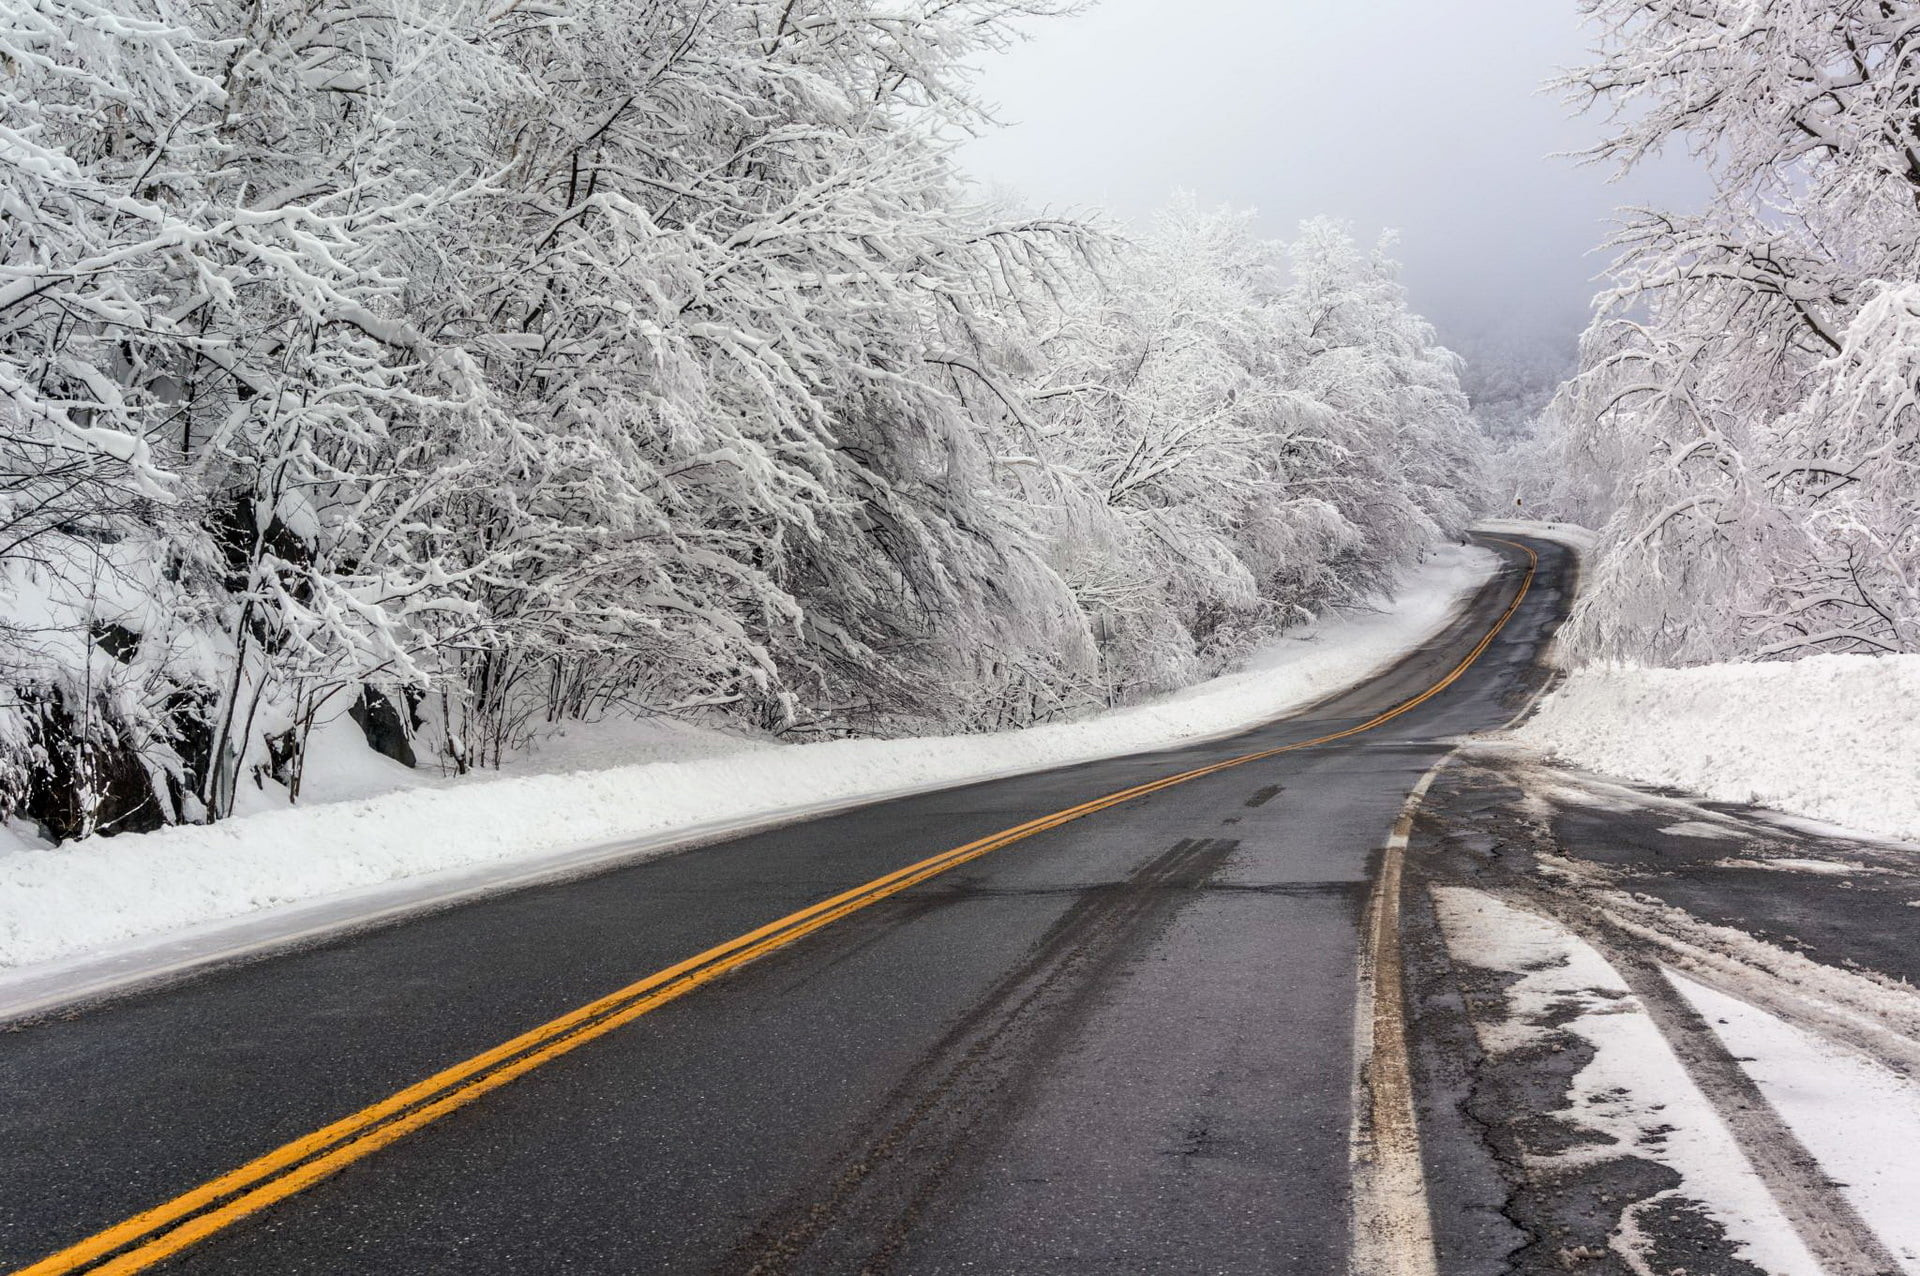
{"x":82,"y":897}
{"x":1700,"y":828}
{"x":1859,"y":1001}
{"x":1789,"y":864}
{"x":1860,"y":1120}
{"x":1832,"y":737}
{"x":1634,"y":1090}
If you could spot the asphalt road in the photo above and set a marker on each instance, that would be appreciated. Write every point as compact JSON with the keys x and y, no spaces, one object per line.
{"x":1123,"y":1044}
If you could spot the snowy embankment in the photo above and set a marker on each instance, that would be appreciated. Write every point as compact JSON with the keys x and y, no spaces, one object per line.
{"x":1835,"y":738}
{"x":61,"y":901}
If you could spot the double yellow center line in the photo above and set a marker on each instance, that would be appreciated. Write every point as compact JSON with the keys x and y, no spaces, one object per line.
{"x":164,"y":1230}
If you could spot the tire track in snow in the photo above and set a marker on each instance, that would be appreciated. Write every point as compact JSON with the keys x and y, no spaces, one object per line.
{"x":1819,"y":1210}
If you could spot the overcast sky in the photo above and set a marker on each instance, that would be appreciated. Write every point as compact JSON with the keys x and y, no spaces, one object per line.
{"x":1421,"y":115}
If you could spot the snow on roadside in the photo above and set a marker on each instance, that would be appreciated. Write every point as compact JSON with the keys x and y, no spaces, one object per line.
{"x":341,"y":768}
{"x":1572,"y":535}
{"x":63,"y":901}
{"x":1832,"y":737}
{"x":1634,"y":1093}
{"x":1861,"y":1121}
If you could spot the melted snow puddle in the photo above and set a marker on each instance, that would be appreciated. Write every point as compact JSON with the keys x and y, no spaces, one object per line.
{"x":1860,"y":1120}
{"x":1634,"y":1091}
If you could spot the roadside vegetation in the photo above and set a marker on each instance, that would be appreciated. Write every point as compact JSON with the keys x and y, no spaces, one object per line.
{"x":472,"y":368}
{"x":1744,"y":428}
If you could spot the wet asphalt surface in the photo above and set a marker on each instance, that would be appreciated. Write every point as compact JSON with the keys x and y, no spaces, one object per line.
{"x":1820,"y":893}
{"x":1122,"y":1045}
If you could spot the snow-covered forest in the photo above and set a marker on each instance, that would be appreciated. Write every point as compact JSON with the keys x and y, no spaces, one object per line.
{"x":476,"y":366}
{"x":1510,"y":379}
{"x":1745,"y":426}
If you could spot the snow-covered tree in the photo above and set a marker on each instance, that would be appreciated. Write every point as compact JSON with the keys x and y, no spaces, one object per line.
{"x":1511,"y":375}
{"x":1225,"y":435}
{"x":1745,"y":417}
{"x":711,"y":298}
{"x":197,"y":349}
{"x":473,"y":367}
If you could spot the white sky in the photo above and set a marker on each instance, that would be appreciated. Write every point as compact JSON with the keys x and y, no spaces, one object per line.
{"x":1421,"y":116}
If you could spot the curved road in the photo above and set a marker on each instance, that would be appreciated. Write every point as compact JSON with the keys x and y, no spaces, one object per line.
{"x":1121,"y":1043}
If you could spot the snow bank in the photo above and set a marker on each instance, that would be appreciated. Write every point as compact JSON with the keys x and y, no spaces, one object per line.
{"x":1836,"y":738}
{"x":62,"y":901}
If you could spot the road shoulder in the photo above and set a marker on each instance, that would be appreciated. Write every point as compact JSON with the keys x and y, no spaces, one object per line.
{"x":1553,"y":1157}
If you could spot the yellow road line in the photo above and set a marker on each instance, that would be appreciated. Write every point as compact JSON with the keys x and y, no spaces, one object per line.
{"x":166,"y":1229}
